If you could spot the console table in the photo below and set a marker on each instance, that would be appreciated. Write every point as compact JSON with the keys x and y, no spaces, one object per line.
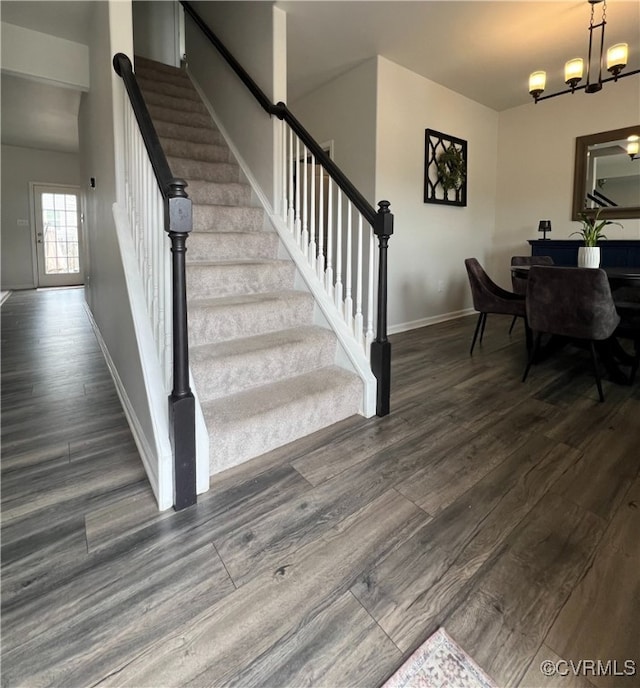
{"x":614,"y":253}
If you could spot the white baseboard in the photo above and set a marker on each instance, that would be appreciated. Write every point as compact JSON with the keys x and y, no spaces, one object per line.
{"x":431,"y":320}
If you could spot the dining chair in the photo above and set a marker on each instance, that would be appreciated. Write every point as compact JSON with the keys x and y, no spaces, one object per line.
{"x":488,"y":297}
{"x":629,"y":328}
{"x":518,"y":283}
{"x":570,"y":302}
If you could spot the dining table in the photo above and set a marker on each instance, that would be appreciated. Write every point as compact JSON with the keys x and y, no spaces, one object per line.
{"x":624,"y":282}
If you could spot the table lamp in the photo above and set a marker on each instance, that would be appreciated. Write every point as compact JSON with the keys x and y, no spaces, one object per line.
{"x":544,"y":226}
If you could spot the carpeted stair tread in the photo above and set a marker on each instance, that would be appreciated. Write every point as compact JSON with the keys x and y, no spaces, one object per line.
{"x":220,"y":193}
{"x":185,"y":132}
{"x":184,"y":117}
{"x":151,"y":74}
{"x":224,"y":278}
{"x":200,"y":152}
{"x":218,"y":319}
{"x":147,"y":63}
{"x":230,"y":367}
{"x":255,"y":421}
{"x":197,"y":170}
{"x":185,"y":91}
{"x":217,"y":246}
{"x":226,"y":218}
{"x":172,"y":103}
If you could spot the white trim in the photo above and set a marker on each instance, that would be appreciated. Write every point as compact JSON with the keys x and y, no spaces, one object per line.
{"x":4,"y":295}
{"x":431,"y":320}
{"x":351,"y":349}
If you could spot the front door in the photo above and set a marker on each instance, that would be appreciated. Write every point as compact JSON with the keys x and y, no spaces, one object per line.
{"x":58,"y":235}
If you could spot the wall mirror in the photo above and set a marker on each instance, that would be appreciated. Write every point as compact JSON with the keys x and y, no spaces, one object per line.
{"x":605,"y":176}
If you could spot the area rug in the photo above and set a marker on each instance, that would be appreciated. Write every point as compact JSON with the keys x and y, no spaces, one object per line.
{"x":440,"y":663}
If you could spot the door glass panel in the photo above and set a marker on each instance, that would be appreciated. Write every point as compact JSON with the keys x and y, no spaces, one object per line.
{"x":60,"y":234}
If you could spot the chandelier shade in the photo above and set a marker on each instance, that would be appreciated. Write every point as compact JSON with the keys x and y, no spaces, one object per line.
{"x":616,"y":60}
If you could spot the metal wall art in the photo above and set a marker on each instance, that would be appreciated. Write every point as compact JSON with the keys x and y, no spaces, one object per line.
{"x":445,"y":169}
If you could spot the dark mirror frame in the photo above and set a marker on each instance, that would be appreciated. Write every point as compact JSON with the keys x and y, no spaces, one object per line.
{"x":580,"y":173}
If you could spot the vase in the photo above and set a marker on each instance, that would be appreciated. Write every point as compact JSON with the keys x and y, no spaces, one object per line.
{"x":589,"y":257}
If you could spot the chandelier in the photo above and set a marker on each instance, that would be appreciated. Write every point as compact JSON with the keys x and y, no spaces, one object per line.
{"x":616,"y":61}
{"x":633,"y":147}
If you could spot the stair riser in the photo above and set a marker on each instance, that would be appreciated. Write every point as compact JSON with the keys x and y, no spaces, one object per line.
{"x":201,"y":152}
{"x":204,"y":171}
{"x":171,"y":130}
{"x":243,"y":439}
{"x":222,"y":323}
{"x":179,"y":104}
{"x":189,"y":119}
{"x":222,"y":193}
{"x":232,"y":246}
{"x":222,"y":218}
{"x":231,"y":374}
{"x":184,"y":92}
{"x":216,"y":280}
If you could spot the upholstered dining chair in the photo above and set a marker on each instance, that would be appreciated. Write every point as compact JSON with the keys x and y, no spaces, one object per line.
{"x":570,"y":302}
{"x":629,"y":328}
{"x":518,"y":283}
{"x":488,"y":297}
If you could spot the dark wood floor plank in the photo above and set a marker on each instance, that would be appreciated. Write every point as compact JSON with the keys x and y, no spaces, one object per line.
{"x":414,"y":588}
{"x":266,"y":539}
{"x":560,"y":675}
{"x":341,"y":646}
{"x":601,"y":619}
{"x":508,"y":612}
{"x":114,"y":622}
{"x":215,"y":646}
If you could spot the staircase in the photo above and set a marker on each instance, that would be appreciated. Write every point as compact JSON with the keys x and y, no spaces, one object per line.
{"x":265,"y":375}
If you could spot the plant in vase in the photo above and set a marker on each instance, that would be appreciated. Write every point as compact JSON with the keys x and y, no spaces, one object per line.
{"x":591,"y":233}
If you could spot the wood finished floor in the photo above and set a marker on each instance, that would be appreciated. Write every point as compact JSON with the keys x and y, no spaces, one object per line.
{"x":508,"y":513}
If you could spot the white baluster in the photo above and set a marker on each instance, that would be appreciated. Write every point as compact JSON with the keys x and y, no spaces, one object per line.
{"x":370,"y":334}
{"x":292,"y":212}
{"x":328,"y":273}
{"x":348,"y":301}
{"x":320,"y":261}
{"x":297,"y":223}
{"x":304,"y":240}
{"x":312,"y":229}
{"x":338,"y":291}
{"x":283,"y":171}
{"x":358,"y":324}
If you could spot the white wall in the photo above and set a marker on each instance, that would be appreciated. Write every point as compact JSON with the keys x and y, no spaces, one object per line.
{"x":19,"y":167}
{"x":427,"y":278}
{"x":247,"y":30}
{"x":535,"y":165}
{"x":155,"y":31}
{"x":41,"y":56}
{"x":344,"y":111}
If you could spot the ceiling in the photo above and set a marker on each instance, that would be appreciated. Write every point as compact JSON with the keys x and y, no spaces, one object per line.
{"x":483,"y":49}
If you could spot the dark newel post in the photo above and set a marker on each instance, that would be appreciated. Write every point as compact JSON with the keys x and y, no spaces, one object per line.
{"x":381,"y":346}
{"x":181,"y":402}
